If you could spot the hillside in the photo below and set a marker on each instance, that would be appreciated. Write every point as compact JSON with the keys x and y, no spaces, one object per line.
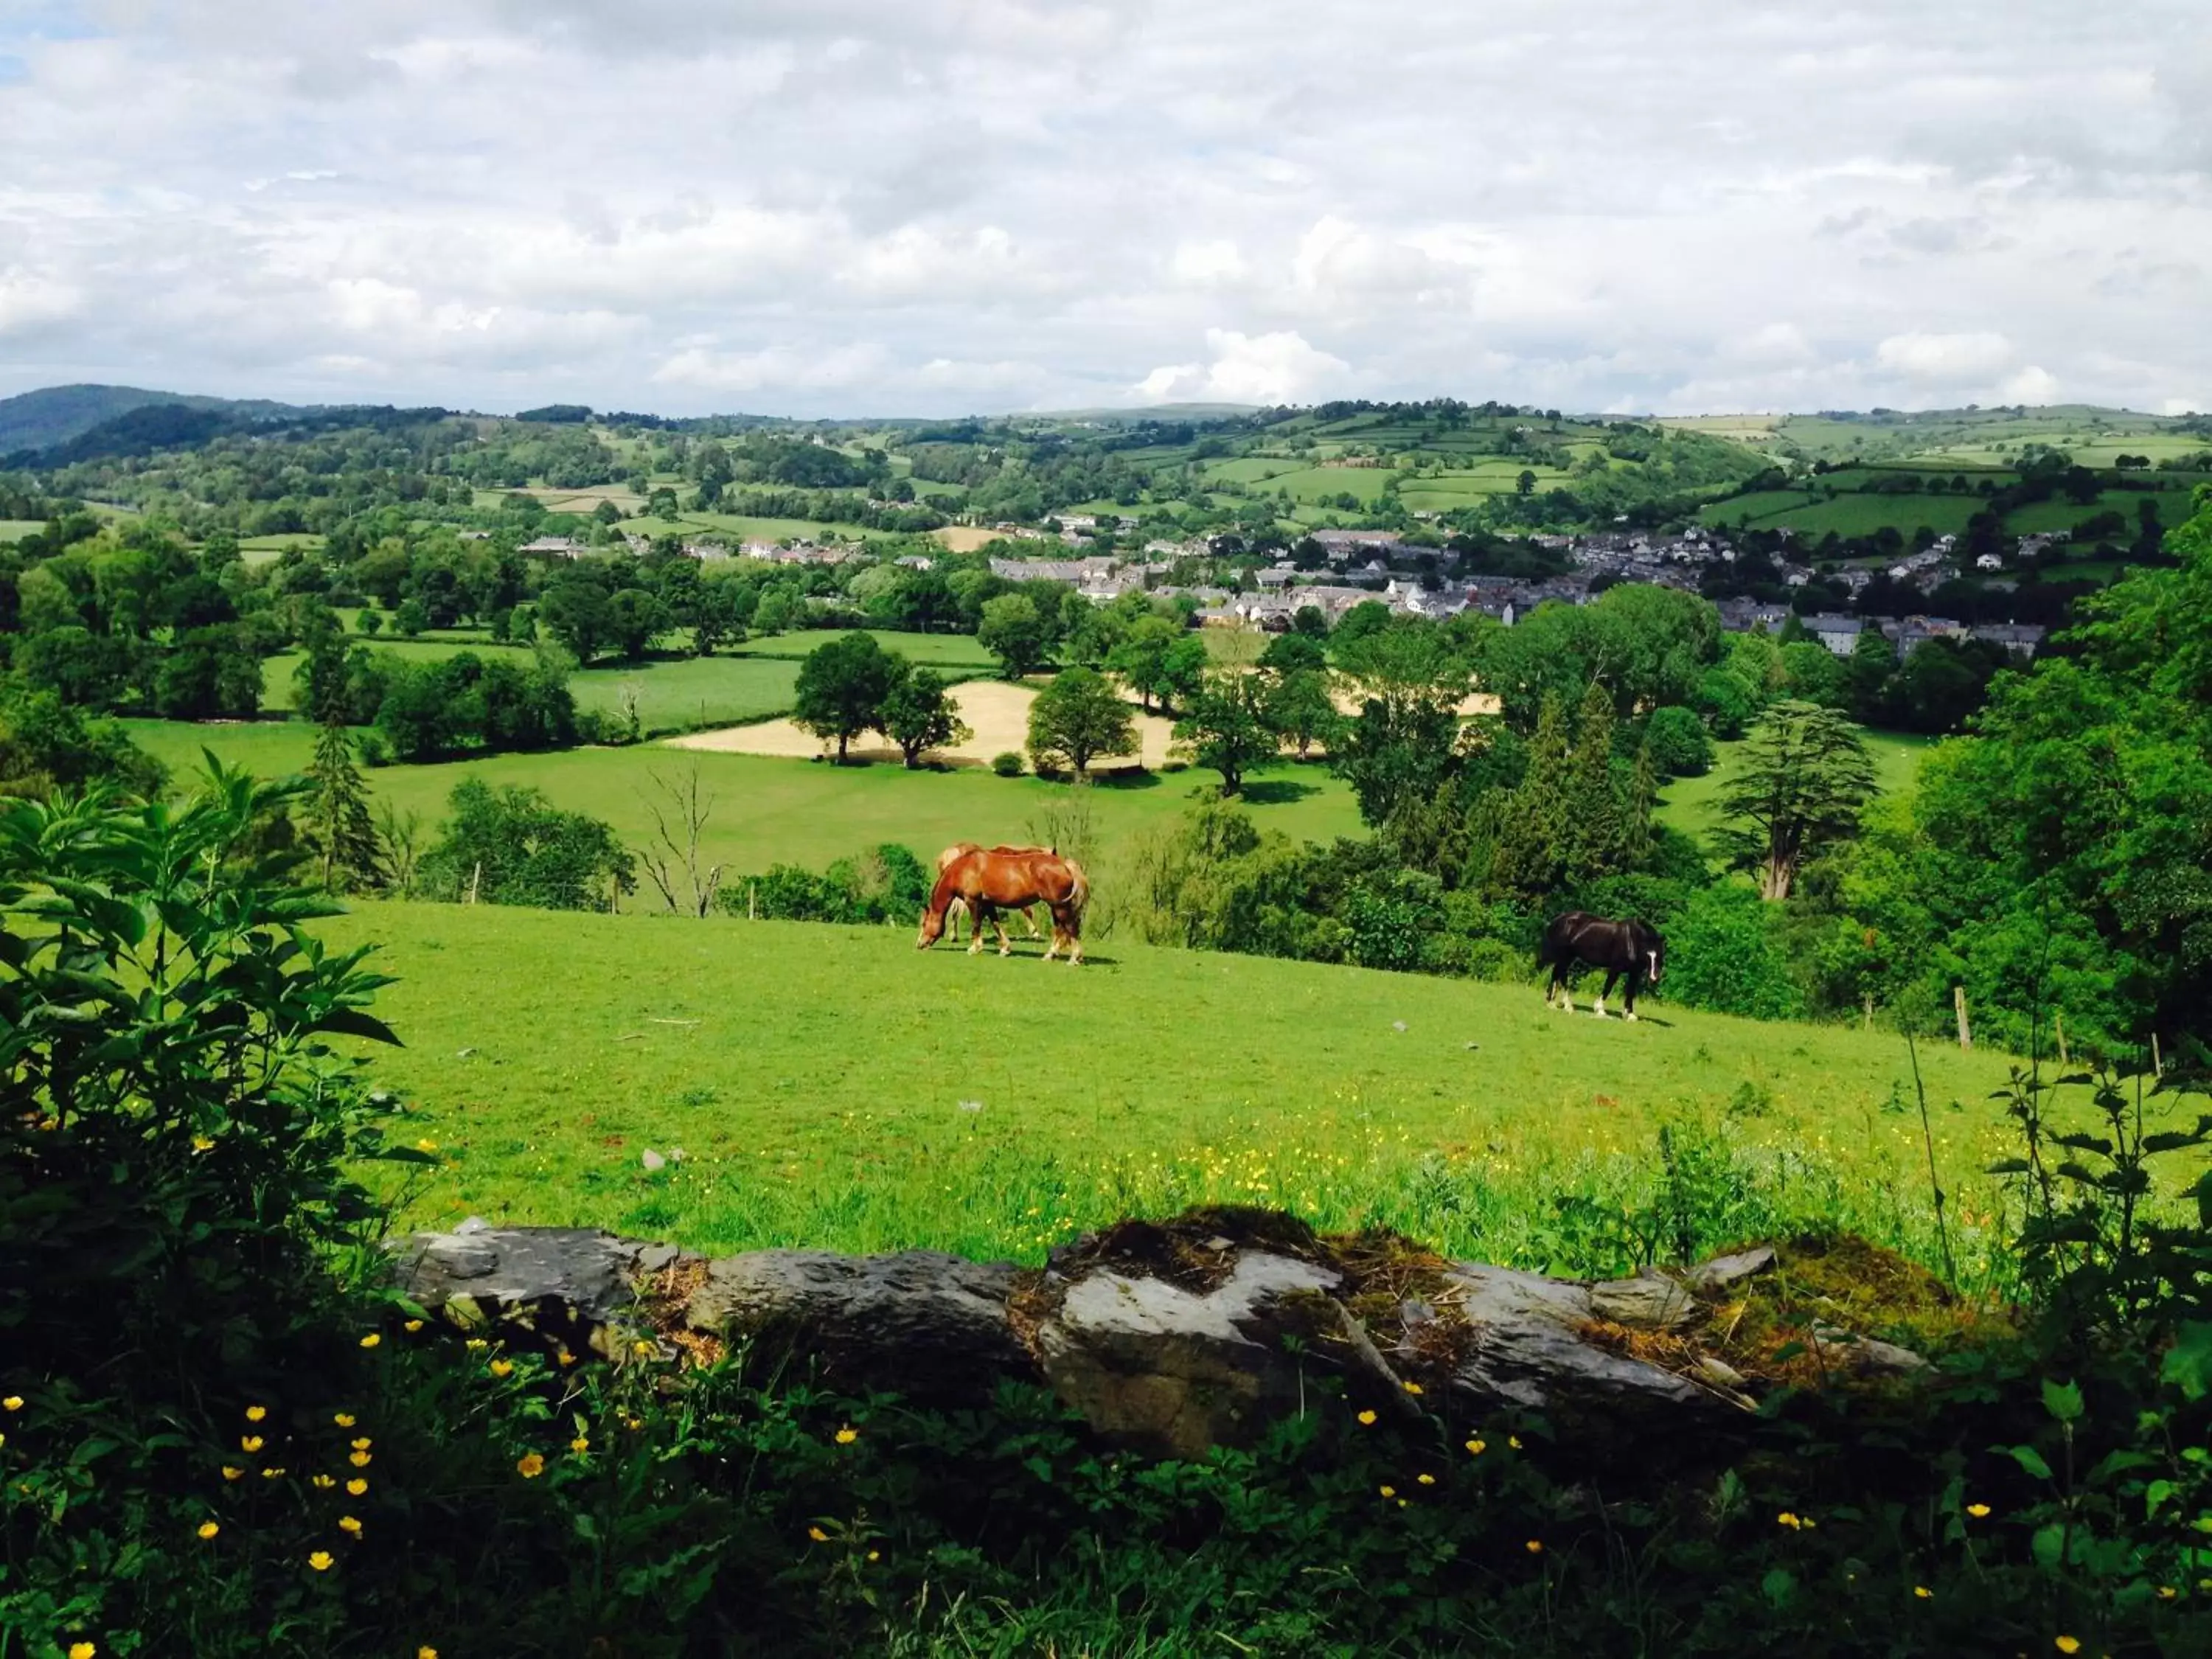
{"x":53,"y":415}
{"x":833,"y":1087}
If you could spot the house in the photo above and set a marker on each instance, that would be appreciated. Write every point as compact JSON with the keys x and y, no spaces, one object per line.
{"x":2020,"y":639}
{"x":916,"y":561}
{"x":1989,"y":561}
{"x":555,"y":547}
{"x":1839,"y":633}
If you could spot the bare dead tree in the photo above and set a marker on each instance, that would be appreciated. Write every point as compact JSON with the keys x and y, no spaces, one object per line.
{"x":681,"y":809}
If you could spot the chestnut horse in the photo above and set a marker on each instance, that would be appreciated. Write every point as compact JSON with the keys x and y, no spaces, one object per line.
{"x":959,"y":907}
{"x":990,"y":879}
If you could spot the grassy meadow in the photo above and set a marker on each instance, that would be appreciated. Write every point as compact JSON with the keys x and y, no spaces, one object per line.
{"x":1692,"y":804}
{"x":833,"y":1087}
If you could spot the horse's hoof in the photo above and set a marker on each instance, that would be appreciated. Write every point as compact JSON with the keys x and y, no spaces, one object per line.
{"x":1631,"y":1014}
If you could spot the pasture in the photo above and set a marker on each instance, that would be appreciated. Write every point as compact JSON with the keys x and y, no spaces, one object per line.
{"x":14,"y":530}
{"x":832,"y":1087}
{"x":1692,"y":804}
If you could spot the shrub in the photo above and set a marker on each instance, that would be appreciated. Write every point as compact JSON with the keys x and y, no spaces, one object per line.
{"x":1007,"y":764}
{"x":1679,"y":745}
{"x":1721,"y":955}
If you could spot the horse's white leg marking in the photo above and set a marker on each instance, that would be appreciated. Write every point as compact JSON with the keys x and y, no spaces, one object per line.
{"x":1601,"y":1005}
{"x":1631,"y":1014}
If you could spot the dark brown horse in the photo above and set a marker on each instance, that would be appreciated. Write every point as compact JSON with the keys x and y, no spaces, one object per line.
{"x":1632,"y":949}
{"x":959,"y":907}
{"x":991,"y":880}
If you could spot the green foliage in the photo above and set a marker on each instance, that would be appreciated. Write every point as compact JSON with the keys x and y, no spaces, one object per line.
{"x":918,"y":716}
{"x":842,"y":688}
{"x":511,"y":846}
{"x":335,"y":817}
{"x":1008,"y":764}
{"x":1013,"y":629}
{"x":1803,"y":781}
{"x":1678,"y":742}
{"x":45,"y":744}
{"x":1227,"y":727}
{"x":1075,"y":718}
{"x":887,"y":884}
{"x":1722,"y":954}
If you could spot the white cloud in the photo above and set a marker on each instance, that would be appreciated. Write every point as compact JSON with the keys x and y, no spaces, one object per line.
{"x":1267,"y":369}
{"x":2030,"y":386}
{"x":836,"y":206}
{"x":1942,"y":360}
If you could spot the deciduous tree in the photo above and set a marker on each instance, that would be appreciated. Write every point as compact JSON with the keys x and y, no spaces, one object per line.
{"x":1077,"y":718}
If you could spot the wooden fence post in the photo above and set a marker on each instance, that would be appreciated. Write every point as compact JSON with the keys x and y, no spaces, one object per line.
{"x":1866,"y":1002}
{"x":2058,"y":1024}
{"x":752,"y":901}
{"x":475,"y":875}
{"x":2157,"y":1065}
{"x":1959,"y":1002}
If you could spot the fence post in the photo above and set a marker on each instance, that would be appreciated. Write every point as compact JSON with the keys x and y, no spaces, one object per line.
{"x":1959,"y":1002}
{"x":2058,"y":1024}
{"x":475,"y":875}
{"x":752,"y":901}
{"x":1866,"y":1001}
{"x":2157,"y":1065}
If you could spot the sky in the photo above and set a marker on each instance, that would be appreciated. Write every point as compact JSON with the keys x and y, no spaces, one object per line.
{"x":936,"y":207}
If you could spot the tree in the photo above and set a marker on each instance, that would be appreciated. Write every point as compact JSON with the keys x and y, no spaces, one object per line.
{"x":635,"y":619}
{"x":1287,"y":653}
{"x":918,"y":715}
{"x":1525,"y":485}
{"x":574,"y":610}
{"x":1139,"y":655}
{"x":1300,"y":708}
{"x":1077,"y":718}
{"x":512,"y":846}
{"x":1227,"y":727}
{"x":1677,"y":742}
{"x":348,"y":854}
{"x":1013,"y":629}
{"x":842,"y":687}
{"x":1802,"y":780}
{"x":1402,"y":745}
{"x":1182,"y":669}
{"x":687,"y":883}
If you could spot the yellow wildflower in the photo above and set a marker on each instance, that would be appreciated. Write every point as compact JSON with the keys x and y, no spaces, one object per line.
{"x":580,"y":1445}
{"x":475,"y":1343}
{"x":642,"y":1348}
{"x":2166,"y":1592}
{"x":531,"y":1467}
{"x":355,"y":1487}
{"x":249,"y":1443}
{"x":201,"y":1144}
{"x":848,"y":1435}
{"x":83,"y":1649}
{"x":359,"y":1460}
{"x":1924,"y":1592}
{"x":270,"y":1474}
{"x":1786,"y":1519}
{"x":230,"y":1474}
{"x":363,"y":1444}
{"x":208,"y":1528}
{"x":1367,"y":1419}
{"x":426,"y":1651}
{"x":1977,"y":1511}
{"x":321,"y":1560}
{"x":325,"y":1482}
{"x":343,"y":1419}
{"x":1475,"y":1447}
{"x":1389,"y":1492}
{"x":1535,"y":1546}
{"x":2067,"y":1643}
{"x":426,"y":1144}
{"x":564,"y":1357}
{"x":1413,"y":1387}
{"x":875,"y":1555}
{"x":14,"y":1402}
{"x":817,"y":1534}
{"x":1514,"y":1441}
{"x":1426,"y":1479}
{"x":347,"y":1523}
{"x":371,"y":1340}
{"x":501,"y":1367}
{"x":412,"y":1326}
{"x":255,"y":1413}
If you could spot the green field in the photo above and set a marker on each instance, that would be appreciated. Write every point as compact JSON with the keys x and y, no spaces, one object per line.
{"x":14,"y":530}
{"x":832,"y":1087}
{"x":803,"y":813}
{"x":1847,"y":515}
{"x":1692,"y":804}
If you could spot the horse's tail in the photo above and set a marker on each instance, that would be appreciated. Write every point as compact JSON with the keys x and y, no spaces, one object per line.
{"x":1079,"y":887}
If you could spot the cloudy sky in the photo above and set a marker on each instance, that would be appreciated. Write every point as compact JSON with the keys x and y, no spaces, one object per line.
{"x":936,"y":206}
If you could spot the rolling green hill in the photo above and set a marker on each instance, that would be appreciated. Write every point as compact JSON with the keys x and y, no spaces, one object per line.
{"x":54,"y":415}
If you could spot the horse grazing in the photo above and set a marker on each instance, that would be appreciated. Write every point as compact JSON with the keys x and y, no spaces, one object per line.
{"x":991,"y":880}
{"x":959,"y":908}
{"x":1575,"y":940}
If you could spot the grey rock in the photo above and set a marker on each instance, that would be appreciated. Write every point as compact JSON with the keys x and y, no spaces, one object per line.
{"x":477,"y":1274}
{"x":1172,"y":1371}
{"x":653,"y":1160}
{"x":1723,"y":1270}
{"x":927,"y":1324}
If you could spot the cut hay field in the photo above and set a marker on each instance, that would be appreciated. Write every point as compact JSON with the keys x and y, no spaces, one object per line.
{"x":832,"y":1087}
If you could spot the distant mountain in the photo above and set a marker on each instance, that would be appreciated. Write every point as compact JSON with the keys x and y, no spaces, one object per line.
{"x":56,"y":414}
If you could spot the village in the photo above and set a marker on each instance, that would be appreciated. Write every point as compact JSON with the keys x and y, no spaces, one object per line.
{"x":1340,"y":569}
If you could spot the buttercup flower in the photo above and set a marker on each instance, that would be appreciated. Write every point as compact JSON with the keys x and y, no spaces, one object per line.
{"x":355,"y":1486}
{"x":208,"y":1528}
{"x":426,"y":1652}
{"x":501,"y":1367}
{"x":1367,"y":1419}
{"x":817,"y":1534}
{"x":580,"y":1444}
{"x":371,"y":1340}
{"x":83,"y":1649}
{"x":1535,"y":1546}
{"x":230,"y":1474}
{"x":1514,"y":1441}
{"x":412,"y":1326}
{"x":270,"y":1474}
{"x":249,"y":1443}
{"x":321,"y":1560}
{"x":848,"y":1435}
{"x":1977,"y":1511}
{"x":343,"y":1419}
{"x":201,"y":1144}
{"x":363,"y":1444}
{"x":347,"y":1523}
{"x":255,"y":1413}
{"x":1786,"y":1519}
{"x":531,"y":1467}
{"x":1426,"y":1479}
{"x":359,"y":1460}
{"x":1413,"y":1387}
{"x":1389,"y":1492}
{"x":1924,"y":1592}
{"x":1475,"y":1447}
{"x":326,"y":1481}
{"x":14,"y":1402}
{"x":2067,"y":1643}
